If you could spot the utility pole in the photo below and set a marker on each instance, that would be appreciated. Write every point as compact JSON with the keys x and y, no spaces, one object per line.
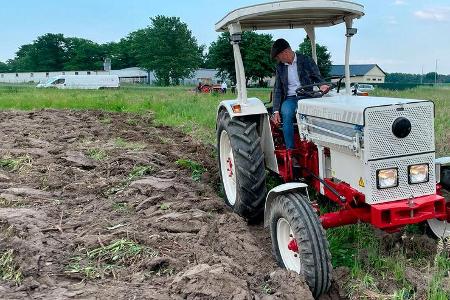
{"x":435,"y":74}
{"x":421,"y":77}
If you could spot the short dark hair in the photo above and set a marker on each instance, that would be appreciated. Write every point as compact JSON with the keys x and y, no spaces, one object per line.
{"x":279,"y":46}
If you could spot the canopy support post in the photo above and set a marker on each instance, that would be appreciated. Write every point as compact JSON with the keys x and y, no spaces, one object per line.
{"x":241,"y":84}
{"x":349,"y":33}
{"x":310,"y":31}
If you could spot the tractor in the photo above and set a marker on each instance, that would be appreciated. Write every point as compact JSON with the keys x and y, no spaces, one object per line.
{"x":373,"y":158}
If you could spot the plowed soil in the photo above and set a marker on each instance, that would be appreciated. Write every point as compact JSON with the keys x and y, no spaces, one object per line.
{"x":94,"y":206}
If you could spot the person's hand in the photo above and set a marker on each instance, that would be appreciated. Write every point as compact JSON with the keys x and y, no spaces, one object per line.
{"x":276,"y":118}
{"x":325,"y":88}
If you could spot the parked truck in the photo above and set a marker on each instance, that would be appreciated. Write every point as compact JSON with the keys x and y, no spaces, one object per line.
{"x":94,"y":82}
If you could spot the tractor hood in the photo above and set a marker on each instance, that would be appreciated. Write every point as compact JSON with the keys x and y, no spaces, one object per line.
{"x":348,"y":109}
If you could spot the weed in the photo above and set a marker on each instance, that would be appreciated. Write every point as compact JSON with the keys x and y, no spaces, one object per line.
{"x":9,"y":271}
{"x":15,"y":164}
{"x":272,"y":180}
{"x":121,"y":207}
{"x":137,"y":172}
{"x":439,"y":288}
{"x":196,"y":169}
{"x":103,"y":261}
{"x":131,"y":122}
{"x":105,"y":120}
{"x":121,"y":143}
{"x":266,"y":289}
{"x":162,"y":271}
{"x":10,"y":203}
{"x":403,"y":294}
{"x":164,"y":206}
{"x":97,"y":154}
{"x":75,"y":266}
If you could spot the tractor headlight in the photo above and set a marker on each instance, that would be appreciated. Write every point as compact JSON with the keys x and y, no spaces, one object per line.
{"x":387,"y":178}
{"x":418,"y":173}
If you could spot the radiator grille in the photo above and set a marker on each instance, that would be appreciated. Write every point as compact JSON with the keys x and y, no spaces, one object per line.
{"x":379,"y":140}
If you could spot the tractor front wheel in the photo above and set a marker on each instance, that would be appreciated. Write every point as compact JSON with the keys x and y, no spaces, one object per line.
{"x":242,"y":169}
{"x":299,"y":242}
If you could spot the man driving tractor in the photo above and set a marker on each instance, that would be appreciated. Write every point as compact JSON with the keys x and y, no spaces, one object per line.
{"x":293,"y":71}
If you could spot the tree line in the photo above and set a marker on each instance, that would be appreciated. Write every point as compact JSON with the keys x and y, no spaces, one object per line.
{"x":417,"y":78}
{"x":167,"y":47}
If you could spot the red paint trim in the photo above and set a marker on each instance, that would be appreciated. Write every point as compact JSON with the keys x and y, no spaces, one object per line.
{"x":293,"y":246}
{"x":392,"y":215}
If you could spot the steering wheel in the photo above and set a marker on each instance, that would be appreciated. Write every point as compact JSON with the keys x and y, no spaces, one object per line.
{"x":304,"y":92}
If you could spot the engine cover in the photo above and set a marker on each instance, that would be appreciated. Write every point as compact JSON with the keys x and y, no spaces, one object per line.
{"x":367,"y":134}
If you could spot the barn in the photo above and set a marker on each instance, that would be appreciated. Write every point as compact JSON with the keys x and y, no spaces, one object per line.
{"x":370,"y":73}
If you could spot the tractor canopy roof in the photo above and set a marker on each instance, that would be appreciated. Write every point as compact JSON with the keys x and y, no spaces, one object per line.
{"x":291,"y":14}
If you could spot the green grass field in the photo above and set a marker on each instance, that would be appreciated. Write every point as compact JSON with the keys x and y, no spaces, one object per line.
{"x":177,"y":106}
{"x":356,"y":247}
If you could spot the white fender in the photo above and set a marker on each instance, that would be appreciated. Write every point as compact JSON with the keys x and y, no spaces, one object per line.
{"x":279,"y":190}
{"x":253,"y":107}
{"x":441,"y":162}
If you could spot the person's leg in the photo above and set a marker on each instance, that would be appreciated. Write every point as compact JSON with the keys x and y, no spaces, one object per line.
{"x":288,"y":109}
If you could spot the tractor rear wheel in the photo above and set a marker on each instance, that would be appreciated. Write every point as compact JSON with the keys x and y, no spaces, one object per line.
{"x":242,"y":168}
{"x":299,"y":242}
{"x":441,"y":229}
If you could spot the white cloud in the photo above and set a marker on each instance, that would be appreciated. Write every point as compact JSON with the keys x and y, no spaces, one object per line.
{"x":399,"y":2}
{"x":437,"y":14}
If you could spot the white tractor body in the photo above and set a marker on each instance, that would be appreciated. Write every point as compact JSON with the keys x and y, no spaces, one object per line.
{"x":359,"y":135}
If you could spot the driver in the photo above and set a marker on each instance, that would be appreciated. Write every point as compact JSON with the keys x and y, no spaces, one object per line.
{"x":293,"y":71}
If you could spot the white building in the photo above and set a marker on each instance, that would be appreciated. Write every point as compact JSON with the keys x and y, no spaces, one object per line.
{"x":128,"y":75}
{"x":360,"y":73}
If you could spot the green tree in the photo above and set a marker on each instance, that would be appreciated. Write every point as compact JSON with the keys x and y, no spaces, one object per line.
{"x":323,"y":56}
{"x":4,"y":67}
{"x":255,"y":50}
{"x":121,"y":53}
{"x":220,"y":56}
{"x":82,"y":54}
{"x":403,"y":78}
{"x":46,"y":53}
{"x":168,"y":48}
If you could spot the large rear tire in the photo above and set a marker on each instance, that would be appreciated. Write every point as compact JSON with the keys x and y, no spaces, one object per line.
{"x":299,"y":242}
{"x":242,"y":169}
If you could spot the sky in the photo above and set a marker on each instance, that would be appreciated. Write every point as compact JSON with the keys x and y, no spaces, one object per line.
{"x":399,"y":35}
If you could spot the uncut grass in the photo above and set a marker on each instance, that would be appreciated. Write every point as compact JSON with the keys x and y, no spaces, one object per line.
{"x":174,"y":106}
{"x":177,"y":106}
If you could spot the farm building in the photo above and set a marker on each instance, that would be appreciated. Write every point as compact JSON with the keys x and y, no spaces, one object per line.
{"x":361,"y":73}
{"x":128,"y":75}
{"x":37,"y":77}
